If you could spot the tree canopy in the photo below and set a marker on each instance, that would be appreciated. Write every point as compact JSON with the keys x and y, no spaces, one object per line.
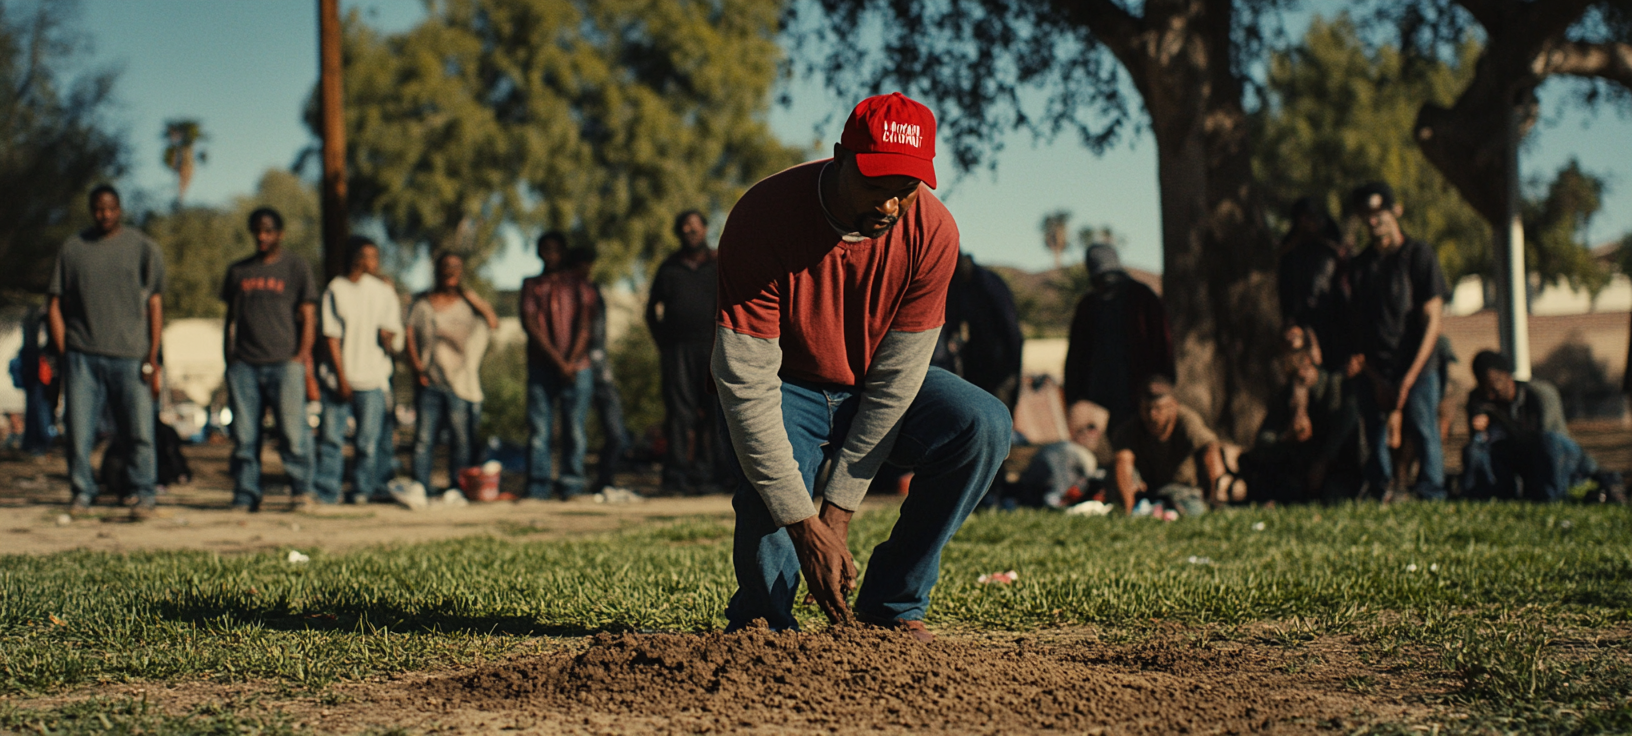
{"x":54,"y":144}
{"x":601,"y":118}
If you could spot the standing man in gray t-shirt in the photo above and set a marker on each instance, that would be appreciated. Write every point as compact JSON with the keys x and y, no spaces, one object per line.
{"x":106,"y":315}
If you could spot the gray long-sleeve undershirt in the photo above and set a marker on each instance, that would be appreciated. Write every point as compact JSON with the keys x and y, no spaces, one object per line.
{"x":746,"y":373}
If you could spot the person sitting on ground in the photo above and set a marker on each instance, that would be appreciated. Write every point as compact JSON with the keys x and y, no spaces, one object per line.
{"x":1517,"y":433}
{"x":1063,"y":473}
{"x":1305,"y":437}
{"x":448,"y":331}
{"x":1157,"y":454}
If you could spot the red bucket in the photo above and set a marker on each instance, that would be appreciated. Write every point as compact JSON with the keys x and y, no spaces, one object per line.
{"x":479,"y":485}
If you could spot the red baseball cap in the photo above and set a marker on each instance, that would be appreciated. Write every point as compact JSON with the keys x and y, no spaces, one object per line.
{"x":892,"y":135}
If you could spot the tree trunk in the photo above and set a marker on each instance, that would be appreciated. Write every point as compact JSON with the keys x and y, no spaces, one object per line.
{"x":1218,"y":259}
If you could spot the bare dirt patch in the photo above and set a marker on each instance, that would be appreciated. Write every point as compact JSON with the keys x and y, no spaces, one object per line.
{"x":860,"y":681}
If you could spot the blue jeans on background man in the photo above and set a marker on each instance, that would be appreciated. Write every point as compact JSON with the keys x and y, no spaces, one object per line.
{"x":95,"y":382}
{"x":1421,"y":418}
{"x":1549,"y":465}
{"x":368,"y":409}
{"x":954,"y":437}
{"x":39,"y":420}
{"x":615,"y":436}
{"x":251,"y":390}
{"x":436,"y":404}
{"x":545,"y":388}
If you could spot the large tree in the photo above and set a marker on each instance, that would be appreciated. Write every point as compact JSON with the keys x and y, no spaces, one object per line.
{"x":979,"y":62}
{"x":603,"y":118}
{"x":54,"y":145}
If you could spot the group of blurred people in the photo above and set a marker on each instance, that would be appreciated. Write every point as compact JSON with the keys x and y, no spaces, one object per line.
{"x":1363,"y":367}
{"x":291,"y":343}
{"x":1363,"y":376}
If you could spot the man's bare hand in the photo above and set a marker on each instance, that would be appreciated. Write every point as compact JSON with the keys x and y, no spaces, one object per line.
{"x":1480,"y":422}
{"x":825,"y":560}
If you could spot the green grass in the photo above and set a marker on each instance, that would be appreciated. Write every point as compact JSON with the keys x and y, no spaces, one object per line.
{"x":1486,"y":588}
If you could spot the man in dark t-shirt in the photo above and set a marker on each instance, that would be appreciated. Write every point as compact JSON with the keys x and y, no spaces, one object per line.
{"x":271,"y":325}
{"x":680,"y":310}
{"x":1399,"y":298}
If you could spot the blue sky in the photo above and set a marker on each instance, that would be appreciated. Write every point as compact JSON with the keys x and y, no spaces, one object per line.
{"x":245,"y":67}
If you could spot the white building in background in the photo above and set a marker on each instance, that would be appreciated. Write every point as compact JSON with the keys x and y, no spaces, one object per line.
{"x":1551,"y":300}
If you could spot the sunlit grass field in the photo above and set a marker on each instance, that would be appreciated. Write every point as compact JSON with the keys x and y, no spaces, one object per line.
{"x":1487,"y":588}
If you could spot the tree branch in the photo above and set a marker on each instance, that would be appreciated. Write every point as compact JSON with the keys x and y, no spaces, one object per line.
{"x":1609,"y":61}
{"x":1110,"y":23}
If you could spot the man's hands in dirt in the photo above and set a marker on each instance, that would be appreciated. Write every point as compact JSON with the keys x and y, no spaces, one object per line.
{"x":824,"y":557}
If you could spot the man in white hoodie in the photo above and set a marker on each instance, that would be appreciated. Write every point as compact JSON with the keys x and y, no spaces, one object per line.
{"x":362,"y":327}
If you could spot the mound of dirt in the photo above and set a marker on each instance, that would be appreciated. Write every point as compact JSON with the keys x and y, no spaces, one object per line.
{"x":852,"y":679}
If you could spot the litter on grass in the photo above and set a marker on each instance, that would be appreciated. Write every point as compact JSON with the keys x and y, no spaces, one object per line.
{"x":998,"y":578}
{"x":616,"y":495}
{"x":1260,"y":526}
{"x":295,"y":557}
{"x":1194,"y":560}
{"x":1089,"y":508}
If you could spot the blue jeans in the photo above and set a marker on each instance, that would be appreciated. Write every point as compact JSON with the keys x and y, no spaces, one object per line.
{"x":39,"y":423}
{"x":1421,"y":418}
{"x":95,"y":382}
{"x":545,"y":388}
{"x":954,"y":437}
{"x":1549,"y":464}
{"x":251,"y":390}
{"x":368,"y":408}
{"x":435,"y":405}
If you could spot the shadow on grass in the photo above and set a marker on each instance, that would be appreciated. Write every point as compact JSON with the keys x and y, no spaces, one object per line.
{"x":378,"y":619}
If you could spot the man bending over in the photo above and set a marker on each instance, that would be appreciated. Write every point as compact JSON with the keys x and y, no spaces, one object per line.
{"x":833,"y":281}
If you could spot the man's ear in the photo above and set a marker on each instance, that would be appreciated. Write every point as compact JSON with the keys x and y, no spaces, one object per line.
{"x":1399,"y":210}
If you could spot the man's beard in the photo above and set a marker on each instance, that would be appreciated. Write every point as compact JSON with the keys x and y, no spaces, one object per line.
{"x":873,"y":226}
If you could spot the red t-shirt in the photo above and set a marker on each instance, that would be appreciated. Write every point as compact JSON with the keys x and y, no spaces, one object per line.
{"x":785,"y":273}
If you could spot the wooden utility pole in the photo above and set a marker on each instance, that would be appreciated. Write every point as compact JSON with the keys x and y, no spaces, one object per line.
{"x":332,"y":111}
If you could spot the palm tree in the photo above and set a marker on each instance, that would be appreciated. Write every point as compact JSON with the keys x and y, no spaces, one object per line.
{"x":181,"y":136}
{"x":1054,"y":237}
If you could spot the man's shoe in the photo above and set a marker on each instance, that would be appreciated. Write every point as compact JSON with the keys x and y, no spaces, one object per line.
{"x":143,"y":511}
{"x":303,"y":504}
{"x":79,"y":510}
{"x":915,"y":629}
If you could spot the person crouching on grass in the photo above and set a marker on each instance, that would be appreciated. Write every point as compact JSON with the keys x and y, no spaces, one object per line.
{"x":832,"y":289}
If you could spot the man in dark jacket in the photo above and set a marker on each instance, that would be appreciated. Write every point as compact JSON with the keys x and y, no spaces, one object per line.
{"x":680,"y":312}
{"x":1517,"y":432}
{"x":1119,"y":339}
{"x":1314,"y":282}
{"x":981,"y":340}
